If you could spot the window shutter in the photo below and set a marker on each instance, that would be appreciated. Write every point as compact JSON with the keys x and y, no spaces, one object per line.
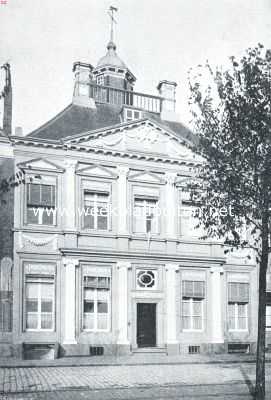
{"x":195,"y":289}
{"x":238,"y":292}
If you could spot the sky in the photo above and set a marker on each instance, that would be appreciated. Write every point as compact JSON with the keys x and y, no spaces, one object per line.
{"x":156,"y":39}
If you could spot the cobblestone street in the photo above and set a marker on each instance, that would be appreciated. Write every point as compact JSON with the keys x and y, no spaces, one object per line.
{"x":201,"y":381}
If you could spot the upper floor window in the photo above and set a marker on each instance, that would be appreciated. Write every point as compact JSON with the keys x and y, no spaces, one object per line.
{"x":39,"y":302}
{"x":41,"y":203}
{"x":96,"y":210}
{"x":145,"y":215}
{"x":193,"y":295}
{"x":238,"y":300}
{"x":268,"y":310}
{"x":100,"y":79}
{"x":96,"y":303}
{"x":131,"y":114}
{"x":188,"y":216}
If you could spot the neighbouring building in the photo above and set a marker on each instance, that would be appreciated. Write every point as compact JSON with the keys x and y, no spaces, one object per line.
{"x":103,"y":262}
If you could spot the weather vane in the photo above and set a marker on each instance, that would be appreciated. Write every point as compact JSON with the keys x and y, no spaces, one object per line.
{"x":111,"y":12}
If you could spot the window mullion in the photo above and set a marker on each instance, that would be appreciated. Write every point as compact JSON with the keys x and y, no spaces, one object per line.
{"x":96,"y":309}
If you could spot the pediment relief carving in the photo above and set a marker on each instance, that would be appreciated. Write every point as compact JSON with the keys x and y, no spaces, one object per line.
{"x":96,"y":170}
{"x":40,"y":164}
{"x":146,"y":138}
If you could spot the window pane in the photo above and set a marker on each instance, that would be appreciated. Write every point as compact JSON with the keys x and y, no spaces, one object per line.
{"x":31,"y":290}
{"x":197,"y":323}
{"x":186,"y":322}
{"x":102,"y":307}
{"x":242,"y":310}
{"x":139,"y":220}
{"x":88,"y":322}
{"x":88,"y":294}
{"x":89,"y":217}
{"x":47,"y":195}
{"x":31,"y":305}
{"x":47,"y":290}
{"x":102,"y":221}
{"x":32,"y":215}
{"x":46,"y":306}
{"x":231,"y":315}
{"x":31,"y":321}
{"x":186,"y":308}
{"x":88,"y":306}
{"x":46,"y":321}
{"x":197,"y":308}
{"x":102,"y":321}
{"x":33,"y":194}
{"x":48,"y":216}
{"x":242,"y":323}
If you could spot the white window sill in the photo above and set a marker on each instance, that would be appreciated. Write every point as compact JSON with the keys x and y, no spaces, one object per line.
{"x":238,"y":330}
{"x":193,"y":330}
{"x":39,"y":330}
{"x":96,"y":330}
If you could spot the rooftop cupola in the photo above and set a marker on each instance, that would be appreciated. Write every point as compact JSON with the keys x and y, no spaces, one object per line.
{"x":111,"y":70}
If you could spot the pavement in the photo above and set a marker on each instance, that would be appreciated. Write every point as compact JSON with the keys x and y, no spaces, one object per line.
{"x":203,"y":377}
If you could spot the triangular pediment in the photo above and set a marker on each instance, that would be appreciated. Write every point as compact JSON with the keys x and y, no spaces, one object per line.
{"x":41,"y":164}
{"x":144,"y":136}
{"x":96,"y":170}
{"x":146,"y":176}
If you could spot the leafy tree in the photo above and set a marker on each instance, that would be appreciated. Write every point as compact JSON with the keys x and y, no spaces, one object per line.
{"x":6,"y":184}
{"x":232,"y":117}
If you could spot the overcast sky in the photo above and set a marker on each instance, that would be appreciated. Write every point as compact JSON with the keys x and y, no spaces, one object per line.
{"x":156,"y":39}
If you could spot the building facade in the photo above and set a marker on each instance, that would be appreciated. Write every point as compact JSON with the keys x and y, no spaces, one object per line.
{"x":106,"y":256}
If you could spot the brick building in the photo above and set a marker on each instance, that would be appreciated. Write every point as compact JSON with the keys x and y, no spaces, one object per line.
{"x":103,"y":259}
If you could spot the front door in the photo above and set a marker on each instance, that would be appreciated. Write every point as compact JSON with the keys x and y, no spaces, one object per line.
{"x":146,"y":324}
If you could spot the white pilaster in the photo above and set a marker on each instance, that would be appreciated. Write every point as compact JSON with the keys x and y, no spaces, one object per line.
{"x":171,"y":315}
{"x":122,"y":199}
{"x":69,"y":194}
{"x":171,"y":204}
{"x":216,"y":301}
{"x":69,"y":324}
{"x":123,"y":302}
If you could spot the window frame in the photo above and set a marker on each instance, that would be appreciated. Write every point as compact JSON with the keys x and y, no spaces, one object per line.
{"x":45,"y":180}
{"x":191,"y":300}
{"x":133,"y":111}
{"x":236,"y":317}
{"x":236,"y":303}
{"x":95,"y":305}
{"x":95,"y":216}
{"x":157,"y":219}
{"x":48,"y":277}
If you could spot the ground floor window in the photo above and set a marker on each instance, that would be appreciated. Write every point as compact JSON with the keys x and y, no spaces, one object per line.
{"x":96,"y":303}
{"x":238,"y":300}
{"x":193,"y":295}
{"x":39,"y":303}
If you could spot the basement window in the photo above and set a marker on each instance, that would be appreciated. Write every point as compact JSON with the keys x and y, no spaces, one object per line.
{"x":193,"y":349}
{"x":243,"y":348}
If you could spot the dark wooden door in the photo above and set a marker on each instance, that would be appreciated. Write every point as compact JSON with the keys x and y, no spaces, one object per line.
{"x":146,"y":324}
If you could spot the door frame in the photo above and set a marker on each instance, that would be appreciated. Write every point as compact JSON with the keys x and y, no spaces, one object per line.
{"x":159,"y":320}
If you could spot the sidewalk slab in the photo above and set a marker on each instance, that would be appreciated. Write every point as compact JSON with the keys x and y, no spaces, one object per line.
{"x":133,"y":359}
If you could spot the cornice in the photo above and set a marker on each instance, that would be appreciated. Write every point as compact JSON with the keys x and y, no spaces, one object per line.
{"x":125,"y":255}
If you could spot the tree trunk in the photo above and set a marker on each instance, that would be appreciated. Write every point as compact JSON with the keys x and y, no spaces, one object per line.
{"x":260,"y":362}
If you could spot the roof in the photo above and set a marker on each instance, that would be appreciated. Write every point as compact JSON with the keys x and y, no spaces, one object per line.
{"x":74,"y":120}
{"x":111,"y":57}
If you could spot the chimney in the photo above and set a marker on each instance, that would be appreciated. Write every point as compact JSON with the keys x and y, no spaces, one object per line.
{"x":18,"y":131}
{"x":82,"y":79}
{"x":167,"y":90}
{"x":7,"y":94}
